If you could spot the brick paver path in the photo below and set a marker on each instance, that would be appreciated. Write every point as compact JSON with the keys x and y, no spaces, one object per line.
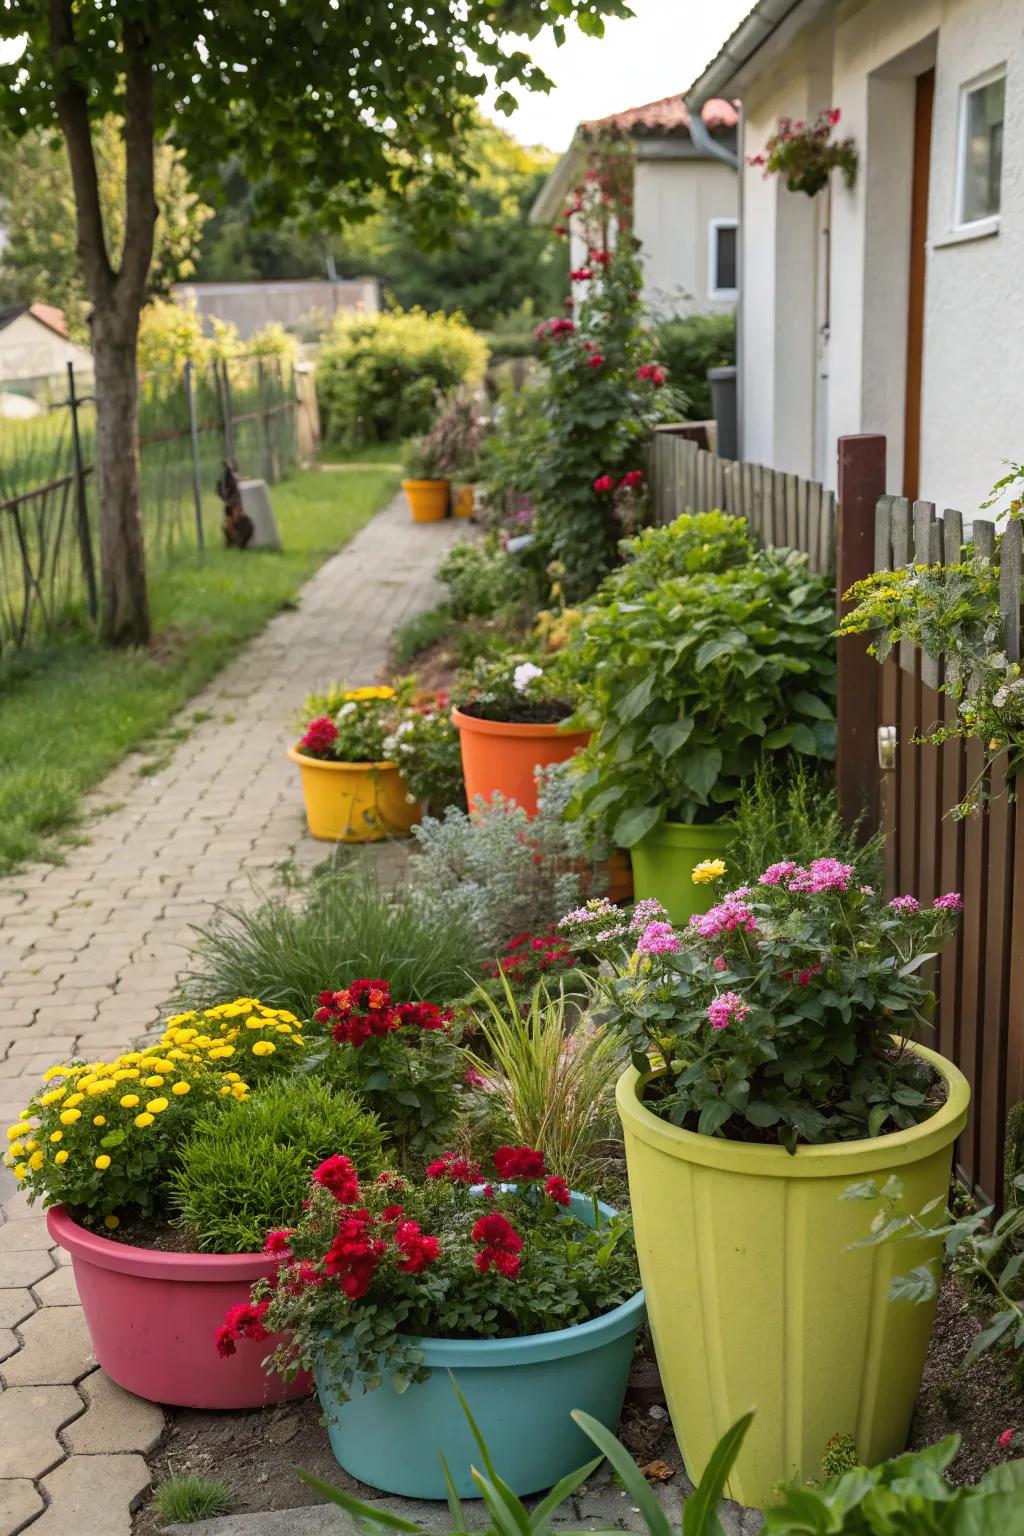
{"x":89,"y":951}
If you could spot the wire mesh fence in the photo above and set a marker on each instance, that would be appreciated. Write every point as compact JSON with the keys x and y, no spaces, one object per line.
{"x":190,"y":420}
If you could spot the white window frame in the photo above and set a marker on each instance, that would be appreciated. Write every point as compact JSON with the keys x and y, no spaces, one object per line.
{"x":714,"y":225}
{"x":989,"y":222}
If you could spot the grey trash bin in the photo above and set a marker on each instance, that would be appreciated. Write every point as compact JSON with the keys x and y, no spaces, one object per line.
{"x":723,"y":409}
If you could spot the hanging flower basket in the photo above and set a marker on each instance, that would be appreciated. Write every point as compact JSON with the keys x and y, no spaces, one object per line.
{"x":806,"y":154}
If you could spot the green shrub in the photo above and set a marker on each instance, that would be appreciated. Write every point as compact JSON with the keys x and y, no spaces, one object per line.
{"x":687,"y":691}
{"x":695,"y":542}
{"x":379,"y":375}
{"x":285,"y":951}
{"x":182,"y":1499}
{"x":420,"y":633}
{"x":687,"y":347}
{"x":790,"y":810}
{"x":482,"y":579}
{"x":247,"y":1170}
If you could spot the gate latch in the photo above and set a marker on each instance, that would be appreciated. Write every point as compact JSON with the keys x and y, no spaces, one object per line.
{"x":887,"y":746}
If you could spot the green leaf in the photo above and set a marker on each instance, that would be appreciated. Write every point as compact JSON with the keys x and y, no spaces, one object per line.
{"x":370,"y":1512}
{"x":699,"y":770}
{"x":920,"y":1285}
{"x":557,"y":1496}
{"x":810,"y":704}
{"x":636,"y":700}
{"x":636,"y":1484}
{"x":700,"y":1508}
{"x":633,"y":824}
{"x":711,"y":650}
{"x":992,"y":1334}
{"x":667,"y":739}
{"x":454,"y":1502}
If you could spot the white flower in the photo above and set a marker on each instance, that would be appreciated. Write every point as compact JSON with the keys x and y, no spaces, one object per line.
{"x":346,"y":709}
{"x":524,"y":675}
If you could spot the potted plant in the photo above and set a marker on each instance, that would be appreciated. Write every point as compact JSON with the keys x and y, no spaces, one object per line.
{"x":686,"y":687}
{"x":510,"y":716}
{"x":353,"y":791}
{"x":424,"y":746}
{"x":426,"y":482}
{"x":773,"y":1068}
{"x":458,"y":432}
{"x":146,"y":1165}
{"x":806,"y":155}
{"x":524,"y":1290}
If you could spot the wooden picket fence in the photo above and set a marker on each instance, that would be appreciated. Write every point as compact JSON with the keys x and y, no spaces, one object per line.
{"x":783,"y":510}
{"x":979,"y":978}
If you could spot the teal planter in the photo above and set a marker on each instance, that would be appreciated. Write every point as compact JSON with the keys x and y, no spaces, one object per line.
{"x":520,"y":1391}
{"x":663,"y":862}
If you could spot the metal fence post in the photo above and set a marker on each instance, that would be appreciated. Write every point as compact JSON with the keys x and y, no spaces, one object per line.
{"x":266,"y":460}
{"x":229,"y":411}
{"x":860,"y":483}
{"x":81,"y":505}
{"x":197,"y":481}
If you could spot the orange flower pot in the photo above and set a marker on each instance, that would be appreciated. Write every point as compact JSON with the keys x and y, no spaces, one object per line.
{"x":463,"y":501}
{"x":428,"y":499}
{"x":501,"y":758}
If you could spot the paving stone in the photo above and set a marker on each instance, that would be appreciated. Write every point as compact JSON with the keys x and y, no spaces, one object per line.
{"x":56,"y":1349}
{"x":19,"y":1501}
{"x":114,"y":1420}
{"x":29,"y":1420}
{"x":15,"y":1304}
{"x":58,"y":1289}
{"x":24,"y":1267}
{"x":92,"y":1496}
{"x":23,"y":1233}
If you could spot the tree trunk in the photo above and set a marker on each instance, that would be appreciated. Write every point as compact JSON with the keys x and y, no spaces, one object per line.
{"x":124,"y":606}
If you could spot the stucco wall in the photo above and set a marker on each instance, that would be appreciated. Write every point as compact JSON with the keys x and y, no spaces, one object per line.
{"x":251,"y":306}
{"x":973,"y":355}
{"x":674,"y":204}
{"x":30,"y":350}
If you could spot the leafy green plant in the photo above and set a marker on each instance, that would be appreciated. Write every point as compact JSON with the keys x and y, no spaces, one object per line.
{"x":482,"y":578}
{"x":549,"y":1077}
{"x":425,"y":746}
{"x":695,"y":542}
{"x":378,"y":376}
{"x":440,"y":1256}
{"x":517,"y":688}
{"x":423,"y":458}
{"x":788,"y":809}
{"x":349,"y":725}
{"x":248,"y":1169}
{"x":341,"y":923}
{"x":839,"y":1456}
{"x":187,"y":1497}
{"x":420,"y":633}
{"x":784,"y":1009}
{"x":687,"y":346}
{"x":688,"y":689}
{"x":806,"y":155}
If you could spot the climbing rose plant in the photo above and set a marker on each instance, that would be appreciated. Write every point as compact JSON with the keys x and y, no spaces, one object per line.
{"x":372,"y":1267}
{"x":782,"y":1014}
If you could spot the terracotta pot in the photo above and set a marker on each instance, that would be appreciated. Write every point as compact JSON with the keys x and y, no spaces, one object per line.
{"x":501,"y":758}
{"x":153,"y":1317}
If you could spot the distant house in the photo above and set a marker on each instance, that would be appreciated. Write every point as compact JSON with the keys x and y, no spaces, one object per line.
{"x":251,"y":306}
{"x":34,"y":343}
{"x":684,"y":201}
{"x":894,"y":306}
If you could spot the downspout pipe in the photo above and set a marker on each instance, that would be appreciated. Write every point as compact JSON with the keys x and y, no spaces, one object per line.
{"x":705,"y":141}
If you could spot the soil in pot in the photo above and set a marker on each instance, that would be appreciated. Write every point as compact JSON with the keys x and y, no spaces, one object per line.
{"x":544,"y":712}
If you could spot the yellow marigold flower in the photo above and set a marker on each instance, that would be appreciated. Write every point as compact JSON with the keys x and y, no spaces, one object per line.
{"x":53,"y":1096}
{"x":36,"y":1161}
{"x":264,"y":1048}
{"x":298,"y":1039}
{"x":156,"y":1081}
{"x":21,"y":1170}
{"x":156,"y":1106}
{"x":52,"y":1072}
{"x":255,"y":1023}
{"x":129,"y":1058}
{"x":240,"y":1090}
{"x":111,"y":1223}
{"x":30,"y":1146}
{"x":101,"y":1087}
{"x":75,"y":1098}
{"x":177,"y":1055}
{"x":18,"y":1130}
{"x":143,"y":1120}
{"x":707,"y":870}
{"x":56,"y":1135}
{"x":181,"y":1089}
{"x":222,"y":1053}
{"x":69,"y":1116}
{"x":60,"y":1158}
{"x":102,"y":1162}
{"x":16,"y":1148}
{"x":99,"y":1119}
{"x":129,"y":1101}
{"x":282,"y":1029}
{"x":232,"y":1077}
{"x":225,"y":1089}
{"x":358,"y":695}
{"x":178,"y":1019}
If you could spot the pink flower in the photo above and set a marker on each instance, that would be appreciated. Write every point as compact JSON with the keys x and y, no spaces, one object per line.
{"x":905,"y":904}
{"x":804,"y":977}
{"x":658,"y":939}
{"x":727,"y":1008}
{"x":595,"y":360}
{"x":651,"y":373}
{"x":474,"y":1078}
{"x":601,"y":258}
{"x":726,"y":917}
{"x":582,"y":274}
{"x":823,"y":875}
{"x":951,"y":902}
{"x":776,"y":873}
{"x":646,"y":911}
{"x":604,"y":483}
{"x":834,"y":115}
{"x":1006,"y":1438}
{"x":720,"y":963}
{"x":634,"y":477}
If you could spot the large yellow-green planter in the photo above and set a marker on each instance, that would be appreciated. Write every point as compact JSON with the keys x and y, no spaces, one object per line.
{"x":756,"y":1299}
{"x":663,"y":863}
{"x":354,"y":802}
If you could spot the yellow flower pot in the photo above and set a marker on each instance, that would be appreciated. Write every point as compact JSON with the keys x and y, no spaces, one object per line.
{"x":756,"y":1299}
{"x":428,"y":499}
{"x":463,"y":501}
{"x":354,"y":802}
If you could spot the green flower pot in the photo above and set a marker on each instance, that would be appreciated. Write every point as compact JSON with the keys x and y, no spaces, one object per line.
{"x":663,"y":862}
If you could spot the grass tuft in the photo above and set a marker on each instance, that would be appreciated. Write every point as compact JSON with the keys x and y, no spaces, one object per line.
{"x":189,"y":1497}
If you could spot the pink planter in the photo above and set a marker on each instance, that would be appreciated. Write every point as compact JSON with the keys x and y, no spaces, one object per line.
{"x":153,"y":1317}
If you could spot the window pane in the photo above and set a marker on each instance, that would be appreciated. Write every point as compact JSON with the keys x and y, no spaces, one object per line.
{"x":983,"y":151}
{"x":725,"y":258}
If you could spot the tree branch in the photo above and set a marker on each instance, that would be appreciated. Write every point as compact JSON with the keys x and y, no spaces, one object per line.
{"x":73,"y":114}
{"x":140,"y":192}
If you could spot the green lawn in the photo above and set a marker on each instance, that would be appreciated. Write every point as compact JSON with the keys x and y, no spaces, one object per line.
{"x":70,"y":712}
{"x":372,"y":453}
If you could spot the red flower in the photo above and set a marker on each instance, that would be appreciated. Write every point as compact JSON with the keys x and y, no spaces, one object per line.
{"x":557,"y":1190}
{"x":423,"y":1015}
{"x":595,"y":360}
{"x":392,"y":1212}
{"x":604,"y":483}
{"x":418,"y":1250}
{"x":353,"y":1257}
{"x":602,"y":258}
{"x":1006,"y":1438}
{"x":493,"y":1230}
{"x":320,"y":736}
{"x":651,"y":373}
{"x":519,"y":1163}
{"x":506,"y":1264}
{"x":451,"y":1166}
{"x":243,"y":1321}
{"x":560,"y":229}
{"x":277,"y":1242}
{"x":634,"y":477}
{"x":581,"y":274}
{"x":338,"y":1174}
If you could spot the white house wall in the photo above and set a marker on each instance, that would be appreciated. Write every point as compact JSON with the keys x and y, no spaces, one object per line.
{"x":31,"y":350}
{"x":674,"y":203}
{"x":974,"y":317}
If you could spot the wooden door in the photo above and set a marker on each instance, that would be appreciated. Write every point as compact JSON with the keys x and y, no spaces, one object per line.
{"x":923,"y":100}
